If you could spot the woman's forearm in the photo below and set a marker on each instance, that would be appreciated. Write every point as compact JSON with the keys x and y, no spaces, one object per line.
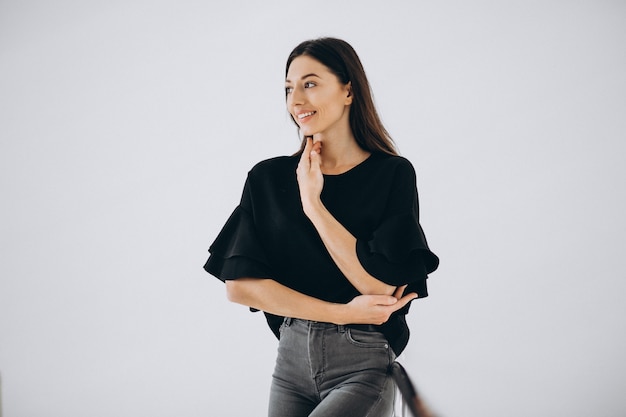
{"x":272,"y":297}
{"x":275,"y":298}
{"x":341,"y":245}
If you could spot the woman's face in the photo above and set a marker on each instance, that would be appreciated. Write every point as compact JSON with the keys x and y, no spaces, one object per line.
{"x":316,"y":99}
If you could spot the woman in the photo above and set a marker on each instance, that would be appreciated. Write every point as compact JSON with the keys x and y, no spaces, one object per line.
{"x":327,"y":243}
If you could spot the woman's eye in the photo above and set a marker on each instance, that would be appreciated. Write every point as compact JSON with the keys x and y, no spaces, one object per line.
{"x":309,"y":84}
{"x":288,"y":90}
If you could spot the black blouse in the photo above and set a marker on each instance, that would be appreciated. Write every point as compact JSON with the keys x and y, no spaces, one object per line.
{"x":269,"y":236}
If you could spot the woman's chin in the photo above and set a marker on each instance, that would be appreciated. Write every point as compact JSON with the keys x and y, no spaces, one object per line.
{"x":304,"y":131}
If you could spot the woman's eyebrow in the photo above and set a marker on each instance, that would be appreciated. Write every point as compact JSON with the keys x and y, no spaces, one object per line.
{"x":305,"y":76}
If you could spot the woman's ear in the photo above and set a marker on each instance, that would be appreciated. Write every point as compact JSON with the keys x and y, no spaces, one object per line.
{"x":349,"y":93}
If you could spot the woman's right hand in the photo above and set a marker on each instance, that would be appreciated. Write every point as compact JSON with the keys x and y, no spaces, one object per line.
{"x":309,"y":174}
{"x":376,"y":309}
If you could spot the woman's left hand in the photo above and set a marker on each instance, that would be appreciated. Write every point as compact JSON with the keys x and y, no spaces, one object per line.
{"x":309,"y":175}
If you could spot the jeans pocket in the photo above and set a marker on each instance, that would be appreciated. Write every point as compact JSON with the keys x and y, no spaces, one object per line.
{"x":366,"y":339}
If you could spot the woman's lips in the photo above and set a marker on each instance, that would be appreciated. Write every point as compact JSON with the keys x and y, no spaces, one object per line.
{"x":305,"y":116}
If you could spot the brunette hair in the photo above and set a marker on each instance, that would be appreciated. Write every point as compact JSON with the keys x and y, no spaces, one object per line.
{"x":342,"y":60}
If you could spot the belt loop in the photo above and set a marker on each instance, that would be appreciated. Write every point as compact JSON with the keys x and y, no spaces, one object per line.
{"x":287,"y":321}
{"x":341,"y":328}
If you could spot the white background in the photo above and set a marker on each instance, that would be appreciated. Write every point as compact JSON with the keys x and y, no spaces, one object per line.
{"x":127,"y":129}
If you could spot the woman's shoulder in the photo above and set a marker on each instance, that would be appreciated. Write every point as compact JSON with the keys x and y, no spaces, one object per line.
{"x":394,"y":163}
{"x":275,"y":165}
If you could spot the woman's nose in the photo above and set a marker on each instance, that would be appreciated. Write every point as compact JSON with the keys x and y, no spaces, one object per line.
{"x":297,"y":96}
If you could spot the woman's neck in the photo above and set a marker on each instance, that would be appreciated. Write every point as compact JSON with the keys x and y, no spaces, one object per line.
{"x":340,"y":153}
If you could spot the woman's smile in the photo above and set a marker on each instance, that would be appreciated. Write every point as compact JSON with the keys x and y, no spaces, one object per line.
{"x":304,"y":117}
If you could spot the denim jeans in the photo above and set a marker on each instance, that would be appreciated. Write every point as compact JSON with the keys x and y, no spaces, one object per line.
{"x":325,"y":370}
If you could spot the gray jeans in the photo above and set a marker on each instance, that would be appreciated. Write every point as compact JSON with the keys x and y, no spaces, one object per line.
{"x":332,"y":371}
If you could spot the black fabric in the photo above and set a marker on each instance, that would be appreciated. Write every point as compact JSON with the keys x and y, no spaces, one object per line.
{"x":240,"y":251}
{"x":269,"y":236}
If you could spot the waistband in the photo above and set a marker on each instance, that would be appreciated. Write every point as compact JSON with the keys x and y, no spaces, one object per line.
{"x":340,"y":327}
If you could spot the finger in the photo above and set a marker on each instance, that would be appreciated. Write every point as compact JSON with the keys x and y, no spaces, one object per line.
{"x":317,"y":147}
{"x":399,"y":291}
{"x":309,"y":144}
{"x":316,"y":161}
{"x":384,"y":300}
{"x":305,"y":158}
{"x":404,"y":301}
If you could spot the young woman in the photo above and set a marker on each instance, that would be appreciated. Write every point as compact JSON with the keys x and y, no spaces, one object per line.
{"x":327,"y":243}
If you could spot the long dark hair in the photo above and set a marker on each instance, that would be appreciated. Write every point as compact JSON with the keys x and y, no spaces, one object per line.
{"x":342,"y":60}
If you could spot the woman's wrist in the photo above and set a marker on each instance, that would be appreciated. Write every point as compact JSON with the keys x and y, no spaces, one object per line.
{"x":313,"y":207}
{"x":339,"y":314}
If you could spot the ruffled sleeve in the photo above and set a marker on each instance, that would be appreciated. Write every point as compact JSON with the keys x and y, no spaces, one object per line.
{"x":237,"y":252}
{"x":397,"y":252}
